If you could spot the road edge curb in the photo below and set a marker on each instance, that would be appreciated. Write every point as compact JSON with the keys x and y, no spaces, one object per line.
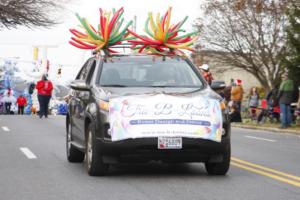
{"x":283,"y":131}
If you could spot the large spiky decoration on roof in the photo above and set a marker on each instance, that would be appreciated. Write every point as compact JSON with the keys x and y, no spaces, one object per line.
{"x":106,"y":35}
{"x":163,"y":38}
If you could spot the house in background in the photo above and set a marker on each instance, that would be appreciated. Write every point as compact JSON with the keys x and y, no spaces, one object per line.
{"x":222,"y":71}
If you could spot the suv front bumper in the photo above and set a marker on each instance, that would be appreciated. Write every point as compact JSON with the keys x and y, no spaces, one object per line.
{"x":146,"y":149}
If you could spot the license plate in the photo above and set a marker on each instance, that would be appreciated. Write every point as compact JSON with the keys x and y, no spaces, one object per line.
{"x":169,"y":143}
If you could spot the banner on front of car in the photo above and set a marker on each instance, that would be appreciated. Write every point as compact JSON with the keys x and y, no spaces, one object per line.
{"x":161,"y":115}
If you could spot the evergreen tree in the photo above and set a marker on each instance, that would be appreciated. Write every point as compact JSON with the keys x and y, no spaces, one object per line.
{"x":292,"y":60}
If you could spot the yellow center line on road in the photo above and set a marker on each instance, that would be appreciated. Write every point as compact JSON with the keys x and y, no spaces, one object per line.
{"x":297,"y":178}
{"x":276,"y":177}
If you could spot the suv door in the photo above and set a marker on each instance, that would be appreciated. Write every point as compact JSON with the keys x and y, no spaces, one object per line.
{"x":80,"y":100}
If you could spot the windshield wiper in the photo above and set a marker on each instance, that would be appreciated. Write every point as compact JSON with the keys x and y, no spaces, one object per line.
{"x":175,"y":86}
{"x":196,"y":90}
{"x":114,"y":85}
{"x":161,"y":86}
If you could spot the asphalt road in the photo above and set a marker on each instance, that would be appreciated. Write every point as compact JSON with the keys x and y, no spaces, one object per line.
{"x":33,"y":166}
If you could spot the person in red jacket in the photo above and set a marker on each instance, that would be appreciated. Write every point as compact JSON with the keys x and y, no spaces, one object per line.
{"x":44,"y":88}
{"x":21,"y":102}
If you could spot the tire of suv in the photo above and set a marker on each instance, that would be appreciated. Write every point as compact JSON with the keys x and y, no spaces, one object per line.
{"x":73,"y":154}
{"x":219,"y":168}
{"x":94,"y":163}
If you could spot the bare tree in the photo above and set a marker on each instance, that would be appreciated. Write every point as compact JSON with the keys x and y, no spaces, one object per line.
{"x":251,"y":31}
{"x":30,"y":13}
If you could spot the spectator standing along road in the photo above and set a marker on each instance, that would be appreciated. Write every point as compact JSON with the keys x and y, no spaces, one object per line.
{"x":8,"y":91}
{"x":227,"y":92}
{"x":297,"y":113}
{"x":298,"y":102}
{"x":273,"y":105}
{"x":253,"y":101}
{"x":285,"y":98}
{"x":21,"y":101}
{"x":272,"y":97}
{"x":8,"y":100}
{"x":44,"y":88}
{"x":206,"y":73}
{"x":237,"y":92}
{"x":235,"y":115}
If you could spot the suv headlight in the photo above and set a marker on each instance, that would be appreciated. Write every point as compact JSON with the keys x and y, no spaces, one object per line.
{"x":222,"y":105}
{"x":103,"y":105}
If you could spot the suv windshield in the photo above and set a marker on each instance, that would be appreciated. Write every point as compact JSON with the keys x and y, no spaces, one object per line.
{"x":140,"y":71}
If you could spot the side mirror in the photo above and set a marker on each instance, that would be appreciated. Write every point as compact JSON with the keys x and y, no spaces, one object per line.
{"x":218,"y":85}
{"x":80,"y":85}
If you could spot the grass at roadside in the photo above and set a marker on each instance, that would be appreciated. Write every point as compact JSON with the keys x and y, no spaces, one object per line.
{"x":268,"y":125}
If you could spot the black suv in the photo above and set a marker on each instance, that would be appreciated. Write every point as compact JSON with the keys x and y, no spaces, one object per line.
{"x":101,"y":95}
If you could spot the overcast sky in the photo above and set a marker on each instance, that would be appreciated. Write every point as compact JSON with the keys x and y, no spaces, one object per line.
{"x":19,"y":42}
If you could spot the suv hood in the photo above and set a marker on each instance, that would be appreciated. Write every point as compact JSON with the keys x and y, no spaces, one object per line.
{"x":112,"y":92}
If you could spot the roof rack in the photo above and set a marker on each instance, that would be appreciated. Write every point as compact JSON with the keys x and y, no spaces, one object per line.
{"x":107,"y":53}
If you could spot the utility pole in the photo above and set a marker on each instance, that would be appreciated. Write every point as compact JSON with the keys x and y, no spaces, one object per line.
{"x":134,"y":23}
{"x":44,"y":50}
